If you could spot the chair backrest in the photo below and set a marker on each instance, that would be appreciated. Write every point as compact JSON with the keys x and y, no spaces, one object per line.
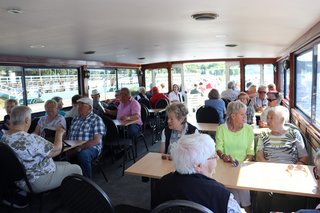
{"x":184,"y":206}
{"x":144,"y":115}
{"x":10,"y":166}
{"x":207,"y":115}
{"x":82,"y":195}
{"x":112,"y":132}
{"x":68,"y":123}
{"x":145,"y":102}
{"x":49,"y":135}
{"x":33,"y":125}
{"x":226,"y":102}
{"x":161,"y":103}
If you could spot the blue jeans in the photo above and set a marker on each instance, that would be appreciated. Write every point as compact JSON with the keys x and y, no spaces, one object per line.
{"x":85,"y":158}
{"x":133,"y":130}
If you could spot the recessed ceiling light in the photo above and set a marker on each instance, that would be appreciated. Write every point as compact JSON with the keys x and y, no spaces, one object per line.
{"x":14,"y":11}
{"x":120,"y":55}
{"x":89,"y":52}
{"x":221,"y":36}
{"x":231,"y":45}
{"x":141,"y":58}
{"x":37,"y":46}
{"x":204,"y":16}
{"x":240,"y":56}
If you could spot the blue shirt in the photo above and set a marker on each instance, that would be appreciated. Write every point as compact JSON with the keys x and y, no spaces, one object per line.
{"x":219,"y":105}
{"x":84,"y":129}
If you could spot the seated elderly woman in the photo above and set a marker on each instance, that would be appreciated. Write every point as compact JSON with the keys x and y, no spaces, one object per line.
{"x":217,"y":103}
{"x":244,"y":98}
{"x":142,"y":94}
{"x":280,"y":145}
{"x":36,"y":153}
{"x":235,"y":141}
{"x":50,"y":120}
{"x":177,"y":126}
{"x":195,"y":159}
{"x":274,"y":99}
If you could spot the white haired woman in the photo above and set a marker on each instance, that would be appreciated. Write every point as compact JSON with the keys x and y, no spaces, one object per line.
{"x":177,"y":126}
{"x":36,"y":153}
{"x":280,"y":145}
{"x":195,"y":159}
{"x":235,"y":141}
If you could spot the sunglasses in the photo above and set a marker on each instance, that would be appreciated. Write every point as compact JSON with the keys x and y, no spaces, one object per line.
{"x":291,"y":168}
{"x":270,"y":100}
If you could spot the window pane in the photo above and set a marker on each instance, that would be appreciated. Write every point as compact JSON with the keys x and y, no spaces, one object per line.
{"x":318,"y":89}
{"x":287,"y":85}
{"x":304,"y":82}
{"x":157,"y":77}
{"x":176,"y":75}
{"x":259,"y":74}
{"x":10,"y":86}
{"x":128,"y":78}
{"x":44,"y":83}
{"x":105,"y":81}
{"x":281,"y":76}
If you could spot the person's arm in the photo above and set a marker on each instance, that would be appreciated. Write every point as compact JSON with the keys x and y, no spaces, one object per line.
{"x":260,"y":156}
{"x":57,"y":145}
{"x":303,"y":160}
{"x":249,"y":158}
{"x":224,"y":157}
{"x":92,"y":142}
{"x":37,"y":130}
{"x":163,"y":143}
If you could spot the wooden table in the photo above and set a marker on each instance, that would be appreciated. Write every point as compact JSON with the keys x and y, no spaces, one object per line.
{"x":155,"y":111}
{"x":73,"y":144}
{"x":257,"y":176}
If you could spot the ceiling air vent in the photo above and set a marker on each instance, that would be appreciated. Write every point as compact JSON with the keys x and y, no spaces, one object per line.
{"x":204,"y":16}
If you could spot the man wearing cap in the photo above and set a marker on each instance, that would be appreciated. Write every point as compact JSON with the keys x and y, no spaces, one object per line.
{"x":156,"y":96}
{"x":87,"y":127}
{"x":98,"y":107}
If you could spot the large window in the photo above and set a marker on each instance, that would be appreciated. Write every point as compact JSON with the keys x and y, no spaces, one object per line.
{"x":259,"y":74}
{"x":284,"y":78}
{"x":44,"y":83}
{"x":10,"y":86}
{"x":317,"y":104}
{"x":128,"y":78}
{"x":103,"y":80}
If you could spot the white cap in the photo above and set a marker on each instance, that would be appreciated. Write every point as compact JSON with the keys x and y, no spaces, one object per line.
{"x":86,"y":100}
{"x":95,"y":92}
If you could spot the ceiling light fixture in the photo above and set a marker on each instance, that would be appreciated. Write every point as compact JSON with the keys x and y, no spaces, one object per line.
{"x":14,"y":11}
{"x":89,"y":52}
{"x":231,"y":45}
{"x":204,"y":16}
{"x":141,"y":58}
{"x":37,"y":46}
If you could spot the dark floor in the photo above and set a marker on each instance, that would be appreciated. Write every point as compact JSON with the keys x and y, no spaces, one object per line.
{"x":121,"y":189}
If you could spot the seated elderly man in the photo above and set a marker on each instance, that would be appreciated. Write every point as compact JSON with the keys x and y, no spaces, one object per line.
{"x":36,"y":153}
{"x":230,"y":93}
{"x":99,"y":107}
{"x":195,"y":159}
{"x":129,"y":109}
{"x":87,"y":127}
{"x":281,"y":145}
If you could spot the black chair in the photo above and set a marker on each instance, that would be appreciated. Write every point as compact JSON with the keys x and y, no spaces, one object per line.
{"x":226,"y":102}
{"x":161,"y":103}
{"x":82,"y":195}
{"x":185,"y":206}
{"x":207,"y":115}
{"x":112,"y":141}
{"x":145,"y":102}
{"x":13,"y":170}
{"x":33,"y":125}
{"x":140,"y":136}
{"x":68,"y":122}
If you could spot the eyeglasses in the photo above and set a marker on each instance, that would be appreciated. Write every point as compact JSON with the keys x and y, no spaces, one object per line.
{"x":262,"y":92}
{"x":292,"y":168}
{"x":315,"y":173}
{"x":270,"y":100}
{"x":213,"y":157}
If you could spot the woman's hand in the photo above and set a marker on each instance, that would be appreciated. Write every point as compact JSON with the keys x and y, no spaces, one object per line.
{"x":226,"y":158}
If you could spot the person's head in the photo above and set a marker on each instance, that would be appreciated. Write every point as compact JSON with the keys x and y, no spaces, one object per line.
{"x":243,"y":97}
{"x":272,"y":87}
{"x":117,"y":94}
{"x":248,"y":84}
{"x":274,"y":99}
{"x":236,"y":112}
{"x":214,"y":94}
{"x":51,"y":107}
{"x":21,"y":115}
{"x":155,"y":90}
{"x":75,"y":99}
{"x":95,"y":95}
{"x":59,"y":101}
{"x":9,"y":104}
{"x":142,"y":90}
{"x":85,"y":106}
{"x":175,"y":88}
{"x":262,"y":91}
{"x":125,"y":95}
{"x":277,"y":117}
{"x":252,"y":89}
{"x":231,"y":85}
{"x":194,"y":154}
{"x":177,"y":115}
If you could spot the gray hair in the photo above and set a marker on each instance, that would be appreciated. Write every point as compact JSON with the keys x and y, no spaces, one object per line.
{"x":262,"y":87}
{"x":51,"y":101}
{"x":58,"y":100}
{"x":19,"y":114}
{"x":142,"y":89}
{"x":14,"y":101}
{"x":234,"y":107}
{"x":281,"y":112}
{"x":125,"y":91}
{"x":231,"y":85}
{"x":179,"y":110}
{"x":192,"y":150}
